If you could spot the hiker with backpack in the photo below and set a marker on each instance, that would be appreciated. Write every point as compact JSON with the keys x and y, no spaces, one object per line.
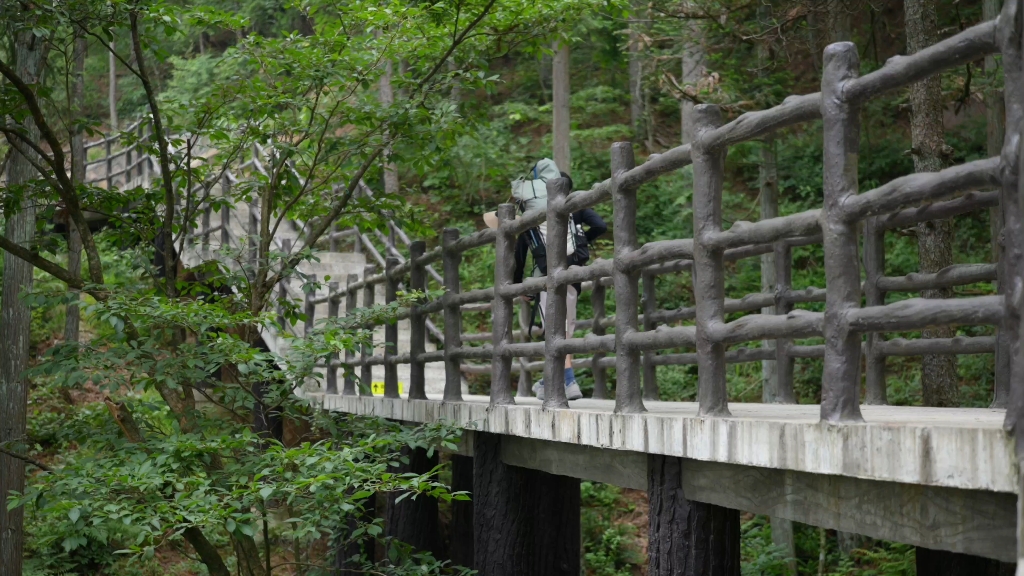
{"x":530,"y":193}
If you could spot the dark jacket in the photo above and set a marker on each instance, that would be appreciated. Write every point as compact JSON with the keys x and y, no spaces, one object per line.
{"x":593,"y":227}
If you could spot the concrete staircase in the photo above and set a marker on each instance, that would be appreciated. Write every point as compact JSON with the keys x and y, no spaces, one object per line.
{"x":335,"y":265}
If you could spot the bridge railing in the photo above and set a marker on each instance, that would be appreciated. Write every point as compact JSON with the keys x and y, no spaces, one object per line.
{"x":850,"y":331}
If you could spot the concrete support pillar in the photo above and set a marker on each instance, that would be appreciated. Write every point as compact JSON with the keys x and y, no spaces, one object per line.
{"x":525,"y":521}
{"x":942,"y":563}
{"x":414,"y":520}
{"x":687,"y":538}
{"x":460,"y":530}
{"x":349,"y":551}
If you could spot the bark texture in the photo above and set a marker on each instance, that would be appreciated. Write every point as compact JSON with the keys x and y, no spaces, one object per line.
{"x":72,"y":318}
{"x":693,"y":70}
{"x":386,"y":95}
{"x":995,"y":122}
{"x":934,"y":239}
{"x":769,"y":183}
{"x":460,"y":551}
{"x":636,"y":100}
{"x":112,"y":88}
{"x":560,"y":108}
{"x":525,"y":521}
{"x":687,"y":538}
{"x":414,"y":519}
{"x":16,"y":318}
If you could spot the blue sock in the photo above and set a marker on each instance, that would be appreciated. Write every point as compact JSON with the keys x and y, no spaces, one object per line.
{"x":569,"y":376}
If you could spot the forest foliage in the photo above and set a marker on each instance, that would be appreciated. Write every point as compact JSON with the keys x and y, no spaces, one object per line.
{"x":128,"y":467}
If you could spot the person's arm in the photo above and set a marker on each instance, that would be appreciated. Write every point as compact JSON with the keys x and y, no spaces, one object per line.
{"x":596,"y":226}
{"x":522,"y":247}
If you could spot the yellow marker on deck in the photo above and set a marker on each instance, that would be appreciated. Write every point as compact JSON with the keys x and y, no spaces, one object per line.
{"x":378,"y":388}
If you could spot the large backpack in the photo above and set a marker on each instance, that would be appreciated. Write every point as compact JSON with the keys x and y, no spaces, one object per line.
{"x":531,"y":193}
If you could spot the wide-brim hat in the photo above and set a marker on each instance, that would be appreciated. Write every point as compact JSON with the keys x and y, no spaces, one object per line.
{"x":491,"y":219}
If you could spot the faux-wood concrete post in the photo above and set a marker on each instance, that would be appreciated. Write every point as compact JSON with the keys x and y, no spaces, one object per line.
{"x":333,"y":305}
{"x":501,"y":309}
{"x":309,"y":308}
{"x":708,"y":264}
{"x":207,"y":212}
{"x":417,"y":324}
{"x":1011,"y":280}
{"x":390,"y":333}
{"x":525,"y":521}
{"x":365,"y":370}
{"x":628,"y":396}
{"x":783,"y":262}
{"x":650,"y":371}
{"x":874,"y":267}
{"x":840,"y":381}
{"x":597,"y":296}
{"x":1009,"y":362}
{"x":225,"y":213}
{"x":555,"y":312}
{"x":687,"y":538}
{"x":110,"y":163}
{"x":350,"y":306}
{"x":450,"y":261}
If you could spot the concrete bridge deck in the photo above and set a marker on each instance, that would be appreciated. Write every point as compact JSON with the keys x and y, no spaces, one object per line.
{"x":933,"y":477}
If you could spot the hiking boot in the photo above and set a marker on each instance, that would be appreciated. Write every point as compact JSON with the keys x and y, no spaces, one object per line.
{"x":572,"y":391}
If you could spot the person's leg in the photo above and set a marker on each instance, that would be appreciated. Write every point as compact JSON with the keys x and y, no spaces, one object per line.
{"x":538,"y":386}
{"x":571,"y":297}
{"x":572,"y":389}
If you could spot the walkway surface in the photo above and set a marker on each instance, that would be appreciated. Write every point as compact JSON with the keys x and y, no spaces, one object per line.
{"x":950,"y":447}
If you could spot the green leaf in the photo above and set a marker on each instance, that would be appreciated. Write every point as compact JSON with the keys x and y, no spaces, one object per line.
{"x":74,"y":514}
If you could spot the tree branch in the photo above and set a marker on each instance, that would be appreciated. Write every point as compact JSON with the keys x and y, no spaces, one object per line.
{"x":170,"y":262}
{"x":26,"y":459}
{"x":66,"y":188}
{"x":48,"y":266}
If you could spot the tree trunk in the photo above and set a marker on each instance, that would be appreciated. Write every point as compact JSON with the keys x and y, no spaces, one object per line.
{"x":814,"y":39}
{"x":560,"y":108}
{"x":687,"y":538}
{"x":934,"y":239}
{"x":768,"y":177}
{"x":995,"y":120}
{"x":72,"y":315}
{"x":386,"y":96}
{"x":839,"y":22}
{"x":16,"y":318}
{"x":693,"y":69}
{"x":636,"y":97}
{"x":782,"y":536}
{"x":414,"y":519}
{"x":112,"y":88}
